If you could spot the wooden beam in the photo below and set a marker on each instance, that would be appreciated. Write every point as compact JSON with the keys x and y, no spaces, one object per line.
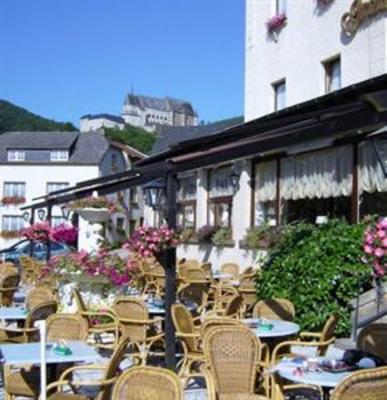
{"x":355,"y":185}
{"x":170,"y":274}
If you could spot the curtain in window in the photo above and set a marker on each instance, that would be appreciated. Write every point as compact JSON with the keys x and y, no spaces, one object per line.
{"x":323,"y":174}
{"x":266,"y":181}
{"x":371,"y":176}
{"x":187,"y":189}
{"x":220,"y":182}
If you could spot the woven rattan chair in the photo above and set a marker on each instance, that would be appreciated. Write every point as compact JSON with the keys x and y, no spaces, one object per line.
{"x":9,"y":284}
{"x":373,"y":338}
{"x":103,"y":385}
{"x":189,"y":336}
{"x":39,"y":295}
{"x":233,"y":355}
{"x":281,"y":309}
{"x":324,"y":338}
{"x":230,"y":268}
{"x":221,"y":294}
{"x":156,"y":281}
{"x":97,"y":329}
{"x":148,"y":383}
{"x":28,"y":332}
{"x":194,"y":288}
{"x":368,"y":384}
{"x":25,"y":382}
{"x":248,"y":292}
{"x":133,"y":322}
{"x":66,"y":326}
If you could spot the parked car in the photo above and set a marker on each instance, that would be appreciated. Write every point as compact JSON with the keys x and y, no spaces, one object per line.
{"x":23,"y":247}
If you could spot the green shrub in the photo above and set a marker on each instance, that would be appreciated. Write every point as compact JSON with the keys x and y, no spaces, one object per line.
{"x":319,"y":269}
{"x":222,"y":236}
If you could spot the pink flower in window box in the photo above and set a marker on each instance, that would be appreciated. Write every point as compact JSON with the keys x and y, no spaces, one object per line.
{"x":276,"y":22}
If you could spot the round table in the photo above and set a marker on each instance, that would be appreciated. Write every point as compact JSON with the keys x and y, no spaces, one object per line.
{"x":325,"y":380}
{"x":280,"y":328}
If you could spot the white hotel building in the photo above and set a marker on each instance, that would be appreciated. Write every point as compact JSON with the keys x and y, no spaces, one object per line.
{"x":33,"y":164}
{"x":312,"y":54}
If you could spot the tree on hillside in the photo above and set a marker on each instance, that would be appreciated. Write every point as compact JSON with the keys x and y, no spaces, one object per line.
{"x":133,"y":136}
{"x":14,"y":118}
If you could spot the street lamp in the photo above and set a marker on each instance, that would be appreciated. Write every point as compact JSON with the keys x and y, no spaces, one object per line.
{"x":65,"y":211}
{"x":380,"y":146}
{"x":41,"y":213}
{"x":26,"y":216}
{"x":236,"y":171}
{"x":154,"y":193}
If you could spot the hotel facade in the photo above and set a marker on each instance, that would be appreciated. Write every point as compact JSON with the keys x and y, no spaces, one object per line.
{"x":313,"y":77}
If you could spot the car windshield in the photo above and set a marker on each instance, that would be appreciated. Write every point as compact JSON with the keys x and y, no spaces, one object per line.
{"x":20,"y":246}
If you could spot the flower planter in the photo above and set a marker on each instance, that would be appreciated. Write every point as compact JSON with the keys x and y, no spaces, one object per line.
{"x":94,"y":215}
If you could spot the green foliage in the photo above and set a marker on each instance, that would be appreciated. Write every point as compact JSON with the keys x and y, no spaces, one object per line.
{"x":14,"y":118}
{"x":320,"y":270}
{"x":133,"y":136}
{"x":222,"y":236}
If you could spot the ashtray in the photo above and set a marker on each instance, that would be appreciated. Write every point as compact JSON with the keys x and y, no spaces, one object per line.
{"x":62,"y":350}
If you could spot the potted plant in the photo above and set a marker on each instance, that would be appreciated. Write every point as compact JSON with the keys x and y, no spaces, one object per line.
{"x":261,"y":237}
{"x":148,"y":241}
{"x":222,"y":237}
{"x":94,"y":209}
{"x":205,"y":233}
{"x":10,"y":234}
{"x":7,"y":200}
{"x":375,"y":252}
{"x":275,"y":23}
{"x":38,"y":232}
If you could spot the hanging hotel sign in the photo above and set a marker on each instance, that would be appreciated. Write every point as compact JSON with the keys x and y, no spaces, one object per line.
{"x":359,"y":11}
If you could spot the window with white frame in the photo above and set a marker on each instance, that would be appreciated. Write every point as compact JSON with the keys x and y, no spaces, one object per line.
{"x":12,"y":223}
{"x":14,"y":189}
{"x":280,"y":6}
{"x":59,"y":155}
{"x":54,"y":186}
{"x":16,"y":155}
{"x":332,"y":75}
{"x":220,"y":197}
{"x":279,"y":95}
{"x":186,"y":198}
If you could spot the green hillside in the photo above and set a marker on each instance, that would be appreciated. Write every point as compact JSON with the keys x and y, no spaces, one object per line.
{"x":14,"y":118}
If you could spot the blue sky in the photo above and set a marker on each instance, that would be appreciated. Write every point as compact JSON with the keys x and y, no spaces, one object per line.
{"x":66,"y":58}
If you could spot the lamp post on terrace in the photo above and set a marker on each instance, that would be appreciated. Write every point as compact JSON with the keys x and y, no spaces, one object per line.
{"x":161,"y":196}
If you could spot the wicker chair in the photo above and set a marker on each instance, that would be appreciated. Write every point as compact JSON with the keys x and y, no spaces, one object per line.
{"x":9,"y":283}
{"x":39,"y":295}
{"x":233,"y":308}
{"x":189,"y":336}
{"x":222,"y":292}
{"x":274,"y":309}
{"x":373,"y":339}
{"x":156,"y":281}
{"x":194,"y":287}
{"x":368,"y":384}
{"x":104,"y":385}
{"x":134,"y":322}
{"x":66,"y":326}
{"x":232,"y":354}
{"x":230,"y":268}
{"x":28,"y":333}
{"x":25,"y":382}
{"x":97,"y":329}
{"x":248,"y":292}
{"x":148,"y":383}
{"x":324,"y":338}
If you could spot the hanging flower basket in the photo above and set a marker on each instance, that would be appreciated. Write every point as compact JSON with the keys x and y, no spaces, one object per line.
{"x":148,"y":241}
{"x":375,"y":248}
{"x":39,"y":232}
{"x":276,"y":23}
{"x":94,"y":215}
